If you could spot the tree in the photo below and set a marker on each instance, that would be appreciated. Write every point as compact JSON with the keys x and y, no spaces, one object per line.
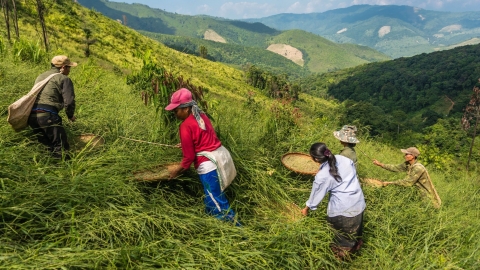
{"x":15,"y":19}
{"x":6,"y":15}
{"x":88,"y":41}
{"x":203,"y":52}
{"x":472,"y":112}
{"x":41,"y":11}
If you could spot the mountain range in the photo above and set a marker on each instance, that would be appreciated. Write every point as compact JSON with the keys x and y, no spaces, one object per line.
{"x":397,"y":31}
{"x":237,"y":42}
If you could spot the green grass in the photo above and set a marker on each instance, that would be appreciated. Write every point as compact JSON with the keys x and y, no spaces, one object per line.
{"x":89,"y":213}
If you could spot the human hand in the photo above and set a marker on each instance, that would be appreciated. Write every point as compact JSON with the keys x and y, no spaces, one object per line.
{"x":376,"y":162}
{"x":176,"y":172}
{"x":305,"y":211}
{"x":178,"y":145}
{"x":72,"y":119}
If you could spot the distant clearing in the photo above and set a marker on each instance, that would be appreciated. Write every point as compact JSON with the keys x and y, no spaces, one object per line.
{"x":451,"y":28}
{"x":212,"y":35}
{"x":288,"y":52}
{"x":341,"y":31}
{"x":384,"y":30}
{"x":472,"y":41}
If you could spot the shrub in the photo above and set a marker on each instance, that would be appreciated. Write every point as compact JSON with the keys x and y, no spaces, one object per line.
{"x":29,"y":51}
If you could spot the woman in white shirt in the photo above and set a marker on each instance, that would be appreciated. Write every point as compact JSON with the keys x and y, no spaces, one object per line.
{"x":346,"y":203}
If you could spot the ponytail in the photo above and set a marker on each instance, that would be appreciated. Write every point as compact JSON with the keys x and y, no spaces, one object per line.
{"x":320,"y":153}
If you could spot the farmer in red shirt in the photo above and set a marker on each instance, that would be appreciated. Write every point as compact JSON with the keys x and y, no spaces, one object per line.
{"x":201,"y":146}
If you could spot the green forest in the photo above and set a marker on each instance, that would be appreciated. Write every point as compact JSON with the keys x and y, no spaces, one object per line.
{"x":91,"y":212}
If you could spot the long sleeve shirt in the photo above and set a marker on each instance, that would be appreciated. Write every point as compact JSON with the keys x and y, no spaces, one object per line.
{"x":346,"y":197}
{"x":58,"y":92}
{"x":416,"y":175}
{"x":350,"y":153}
{"x":194,"y":140}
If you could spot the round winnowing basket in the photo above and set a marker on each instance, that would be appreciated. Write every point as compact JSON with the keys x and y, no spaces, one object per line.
{"x":300,"y":163}
{"x":158,"y":173}
{"x":88,"y":139}
{"x":372,"y":182}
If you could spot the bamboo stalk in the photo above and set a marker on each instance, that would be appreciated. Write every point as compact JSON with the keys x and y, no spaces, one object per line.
{"x":364,"y":154}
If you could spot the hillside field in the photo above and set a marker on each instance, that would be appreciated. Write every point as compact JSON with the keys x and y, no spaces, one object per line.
{"x":90,"y":213}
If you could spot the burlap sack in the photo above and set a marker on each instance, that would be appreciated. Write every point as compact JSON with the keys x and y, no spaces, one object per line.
{"x":19,"y":111}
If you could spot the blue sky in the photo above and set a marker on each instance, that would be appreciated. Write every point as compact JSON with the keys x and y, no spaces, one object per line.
{"x":264,"y":8}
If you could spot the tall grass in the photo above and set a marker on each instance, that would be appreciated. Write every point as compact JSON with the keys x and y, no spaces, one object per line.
{"x":25,"y":50}
{"x":90,"y":213}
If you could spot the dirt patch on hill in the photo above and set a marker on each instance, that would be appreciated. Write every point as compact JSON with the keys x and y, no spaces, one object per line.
{"x":451,"y":28}
{"x":212,"y":35}
{"x":384,"y":30}
{"x":288,"y":52}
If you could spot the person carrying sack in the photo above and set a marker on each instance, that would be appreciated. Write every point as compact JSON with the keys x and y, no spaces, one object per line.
{"x":201,"y":146}
{"x":58,"y":93}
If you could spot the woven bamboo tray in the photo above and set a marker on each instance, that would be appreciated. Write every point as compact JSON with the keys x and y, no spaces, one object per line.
{"x":300,"y":163}
{"x":158,"y":173}
{"x":372,"y":182}
{"x":88,"y":139}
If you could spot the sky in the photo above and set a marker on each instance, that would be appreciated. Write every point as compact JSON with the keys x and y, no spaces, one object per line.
{"x":265,"y":8}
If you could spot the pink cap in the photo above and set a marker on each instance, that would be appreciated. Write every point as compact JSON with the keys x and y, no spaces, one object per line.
{"x":179,"y":97}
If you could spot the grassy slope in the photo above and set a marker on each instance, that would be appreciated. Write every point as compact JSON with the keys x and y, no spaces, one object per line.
{"x":324,"y":55}
{"x":87,"y":213}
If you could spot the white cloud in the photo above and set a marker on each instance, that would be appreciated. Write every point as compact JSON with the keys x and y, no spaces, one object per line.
{"x":295,"y":8}
{"x":435,"y":4}
{"x":247,"y":10}
{"x":203,"y":9}
{"x":317,"y":6}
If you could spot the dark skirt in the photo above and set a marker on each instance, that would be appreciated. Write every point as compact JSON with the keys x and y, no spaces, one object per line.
{"x":348,"y":231}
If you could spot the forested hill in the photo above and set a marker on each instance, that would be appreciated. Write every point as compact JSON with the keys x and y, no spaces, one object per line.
{"x":403,"y":94}
{"x":142,"y":17}
{"x":414,"y":83}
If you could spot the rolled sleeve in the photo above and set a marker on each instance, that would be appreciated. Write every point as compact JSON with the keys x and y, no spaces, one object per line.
{"x":395,"y":168}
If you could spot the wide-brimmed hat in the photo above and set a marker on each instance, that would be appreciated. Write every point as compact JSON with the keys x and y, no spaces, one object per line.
{"x":62,"y":60}
{"x":347,"y":134}
{"x":411,"y":151}
{"x":181,"y":96}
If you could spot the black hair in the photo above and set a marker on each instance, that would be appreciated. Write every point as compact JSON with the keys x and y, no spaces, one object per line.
{"x":317,"y":152}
